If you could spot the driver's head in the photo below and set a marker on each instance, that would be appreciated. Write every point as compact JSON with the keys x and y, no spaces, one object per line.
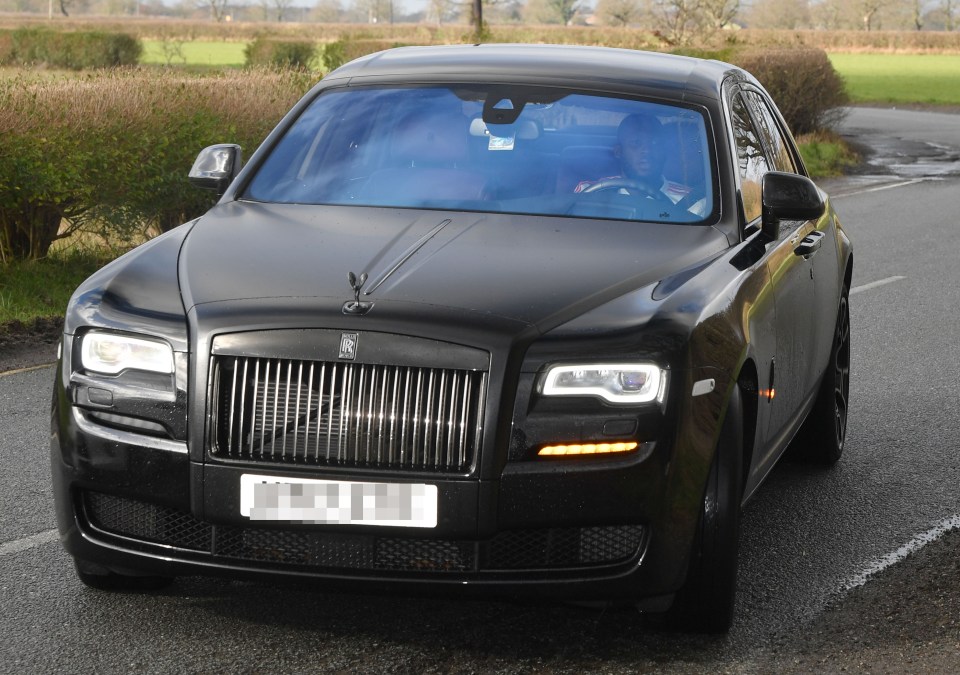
{"x":639,"y":139}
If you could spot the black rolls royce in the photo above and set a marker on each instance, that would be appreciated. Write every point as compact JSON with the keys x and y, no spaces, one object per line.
{"x":497,"y":318}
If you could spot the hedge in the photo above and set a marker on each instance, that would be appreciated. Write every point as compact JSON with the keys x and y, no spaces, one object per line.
{"x":335,"y":54}
{"x":803,"y":82}
{"x":274,"y":53}
{"x":110,"y":151}
{"x":71,"y":50}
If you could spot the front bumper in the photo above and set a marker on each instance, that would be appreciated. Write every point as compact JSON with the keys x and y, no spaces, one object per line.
{"x":610,"y":530}
{"x":128,"y":507}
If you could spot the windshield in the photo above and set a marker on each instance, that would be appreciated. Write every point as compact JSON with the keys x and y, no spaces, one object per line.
{"x":494,"y":149}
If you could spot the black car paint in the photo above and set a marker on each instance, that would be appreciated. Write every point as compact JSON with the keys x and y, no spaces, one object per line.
{"x":705,"y":299}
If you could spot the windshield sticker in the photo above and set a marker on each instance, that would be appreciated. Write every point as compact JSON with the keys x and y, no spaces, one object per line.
{"x":500,"y":142}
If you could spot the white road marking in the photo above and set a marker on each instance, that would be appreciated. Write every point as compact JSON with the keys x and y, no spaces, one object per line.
{"x":26,"y":370}
{"x":879,"y":188}
{"x":874,"y":284}
{"x":912,"y":546}
{"x":27,"y":543}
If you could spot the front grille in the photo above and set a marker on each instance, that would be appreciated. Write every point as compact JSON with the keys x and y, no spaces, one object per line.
{"x":349,"y":414}
{"x":548,"y":549}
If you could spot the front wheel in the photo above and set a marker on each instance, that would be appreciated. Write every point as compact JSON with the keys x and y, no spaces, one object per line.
{"x":705,"y":603}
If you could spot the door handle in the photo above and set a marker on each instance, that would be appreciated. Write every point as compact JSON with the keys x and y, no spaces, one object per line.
{"x":809,"y":244}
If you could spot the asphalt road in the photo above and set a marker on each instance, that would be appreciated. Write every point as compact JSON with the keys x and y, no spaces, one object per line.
{"x":809,"y":536}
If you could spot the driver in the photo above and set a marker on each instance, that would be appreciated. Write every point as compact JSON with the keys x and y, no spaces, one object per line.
{"x":639,"y":148}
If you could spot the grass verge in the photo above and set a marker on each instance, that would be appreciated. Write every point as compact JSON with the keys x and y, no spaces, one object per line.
{"x":825,"y":154}
{"x":41,"y":288}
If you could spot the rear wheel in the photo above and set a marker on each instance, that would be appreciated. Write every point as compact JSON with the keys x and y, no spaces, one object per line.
{"x":823,"y":434}
{"x":103,"y":579}
{"x":705,"y":603}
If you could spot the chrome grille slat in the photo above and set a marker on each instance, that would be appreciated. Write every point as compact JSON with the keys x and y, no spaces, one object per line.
{"x":333,"y":378}
{"x":461,"y":446}
{"x":319,"y":413}
{"x":380,"y":416}
{"x":306,"y":432}
{"x":233,"y":400}
{"x":276,"y":405}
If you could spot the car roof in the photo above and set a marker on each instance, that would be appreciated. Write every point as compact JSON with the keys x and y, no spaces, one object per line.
{"x":602,"y":68}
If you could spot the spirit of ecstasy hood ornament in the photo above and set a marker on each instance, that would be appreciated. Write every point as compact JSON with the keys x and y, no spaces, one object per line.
{"x":356,"y":306}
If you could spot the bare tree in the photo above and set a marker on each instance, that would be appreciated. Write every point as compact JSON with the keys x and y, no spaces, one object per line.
{"x":282,"y":6}
{"x":678,"y":21}
{"x":719,"y":13}
{"x":551,"y":11}
{"x":829,"y":14}
{"x":916,"y":13}
{"x":869,"y":10}
{"x":218,"y":9}
{"x":785,"y":14}
{"x":504,"y":11}
{"x":619,"y":12}
{"x":376,"y":11}
{"x":948,"y":7}
{"x":440,"y":10}
{"x":564,"y":9}
{"x":327,"y":11}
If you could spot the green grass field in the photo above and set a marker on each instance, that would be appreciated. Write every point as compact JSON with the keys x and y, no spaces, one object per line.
{"x":194,"y":53}
{"x":900,"y":78}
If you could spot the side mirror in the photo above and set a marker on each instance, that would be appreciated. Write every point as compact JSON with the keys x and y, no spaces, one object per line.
{"x":787,"y":196}
{"x":216,"y":167}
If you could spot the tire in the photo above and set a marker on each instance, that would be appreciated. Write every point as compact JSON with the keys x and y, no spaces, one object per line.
{"x":824,"y":432}
{"x":705,"y":602}
{"x":103,"y":579}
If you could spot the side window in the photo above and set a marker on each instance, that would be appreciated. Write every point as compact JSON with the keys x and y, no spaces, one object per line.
{"x":751,"y":161}
{"x":779,"y":146}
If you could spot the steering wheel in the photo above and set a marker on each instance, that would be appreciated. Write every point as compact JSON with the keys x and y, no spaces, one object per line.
{"x":632,"y":186}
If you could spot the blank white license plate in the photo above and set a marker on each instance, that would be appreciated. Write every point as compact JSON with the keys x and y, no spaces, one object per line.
{"x":334,"y":502}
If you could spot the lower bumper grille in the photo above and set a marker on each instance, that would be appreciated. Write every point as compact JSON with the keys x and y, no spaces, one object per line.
{"x":551,"y":549}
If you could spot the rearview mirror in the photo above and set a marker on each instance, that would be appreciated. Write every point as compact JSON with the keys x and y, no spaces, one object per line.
{"x":788,"y":196}
{"x":216,"y":167}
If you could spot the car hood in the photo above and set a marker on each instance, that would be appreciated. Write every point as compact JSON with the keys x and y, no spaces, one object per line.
{"x":540,"y":271}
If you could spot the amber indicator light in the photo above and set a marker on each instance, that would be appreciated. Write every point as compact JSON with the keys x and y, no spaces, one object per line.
{"x":587,"y":449}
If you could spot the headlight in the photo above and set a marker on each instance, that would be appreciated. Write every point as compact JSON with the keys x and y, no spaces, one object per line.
{"x":613,"y":382}
{"x":111,"y":353}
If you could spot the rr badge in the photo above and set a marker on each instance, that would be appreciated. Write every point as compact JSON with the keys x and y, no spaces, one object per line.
{"x":348,"y":346}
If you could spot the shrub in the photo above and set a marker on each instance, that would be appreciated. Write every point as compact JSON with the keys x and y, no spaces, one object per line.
{"x":74,"y":51}
{"x":335,"y":54}
{"x":265,"y":52}
{"x":110,"y":152}
{"x":804,"y":84}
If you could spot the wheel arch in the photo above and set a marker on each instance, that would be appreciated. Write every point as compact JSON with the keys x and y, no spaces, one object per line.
{"x":848,"y":273}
